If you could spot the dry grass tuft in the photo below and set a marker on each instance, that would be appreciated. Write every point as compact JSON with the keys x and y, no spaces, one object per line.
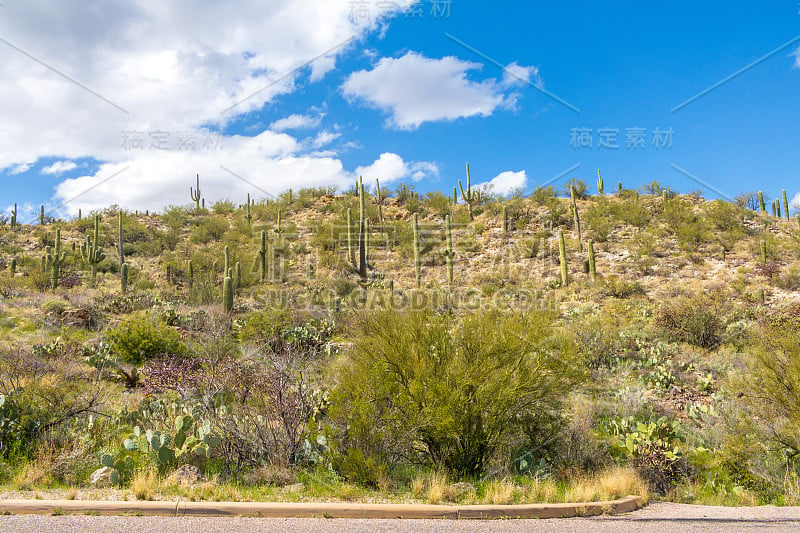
{"x":144,"y":483}
{"x":501,"y":492}
{"x":609,"y":484}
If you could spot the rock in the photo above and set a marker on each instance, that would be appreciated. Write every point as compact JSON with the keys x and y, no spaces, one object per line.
{"x":187,"y":475}
{"x":101,"y":477}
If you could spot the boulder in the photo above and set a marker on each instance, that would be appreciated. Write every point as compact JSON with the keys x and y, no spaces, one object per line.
{"x":101,"y":477}
{"x":187,"y":475}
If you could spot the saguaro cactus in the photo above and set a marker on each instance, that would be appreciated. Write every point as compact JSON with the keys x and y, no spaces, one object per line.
{"x":761,"y":203}
{"x":785,"y":204}
{"x":262,"y":257}
{"x":227,"y":294}
{"x":121,"y":250}
{"x":194,"y":194}
{"x":362,"y":249}
{"x":14,"y":217}
{"x":417,"y":258}
{"x":469,"y":196}
{"x":562,"y":256}
{"x":41,"y":215}
{"x":576,"y":216}
{"x":13,"y":266}
{"x":351,"y":238}
{"x":227,"y":261}
{"x":91,"y":252}
{"x":54,"y":260}
{"x":379,"y":197}
{"x":592,"y":266}
{"x":600,"y":189}
{"x":123,"y":278}
{"x":450,"y":255}
{"x":248,"y":215}
{"x":237,"y":275}
{"x":619,"y":187}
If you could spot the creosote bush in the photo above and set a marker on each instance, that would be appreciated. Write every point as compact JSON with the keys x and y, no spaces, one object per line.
{"x":697,"y":321}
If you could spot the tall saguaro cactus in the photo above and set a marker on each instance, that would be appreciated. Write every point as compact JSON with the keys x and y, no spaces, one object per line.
{"x":91,"y":252}
{"x":379,"y":197}
{"x":600,"y":189}
{"x":562,"y":256}
{"x":123,"y":278}
{"x":417,"y":258}
{"x":351,"y":238}
{"x":14,"y":217}
{"x":53,"y":260}
{"x":227,"y":294}
{"x":761,"y":203}
{"x":121,"y":250}
{"x":248,"y":215}
{"x":576,"y":216}
{"x":592,"y":266}
{"x":450,"y":253}
{"x":469,"y":196}
{"x":194,"y":194}
{"x":41,"y":215}
{"x":262,"y":257}
{"x":362,"y":248}
{"x":785,"y":204}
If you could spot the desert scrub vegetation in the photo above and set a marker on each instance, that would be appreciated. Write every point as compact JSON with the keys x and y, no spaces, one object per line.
{"x":306,"y":347}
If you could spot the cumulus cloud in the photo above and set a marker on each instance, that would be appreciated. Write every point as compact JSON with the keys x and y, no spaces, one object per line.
{"x":295,"y":122}
{"x":796,"y":201}
{"x":391,"y":167}
{"x":505,"y":182}
{"x":59,"y":167}
{"x":151,"y":66}
{"x":262,"y":166}
{"x":415,"y":89}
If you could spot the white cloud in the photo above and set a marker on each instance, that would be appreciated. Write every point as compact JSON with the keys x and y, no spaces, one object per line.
{"x":296,"y":122}
{"x":59,"y":167}
{"x":505,"y":182}
{"x":391,"y":167}
{"x":153,"y":60}
{"x":263,"y":166}
{"x":515,"y":74}
{"x":415,"y":89}
{"x":796,"y":55}
{"x":795,"y":201}
{"x":20,"y":168}
{"x":325,"y":137}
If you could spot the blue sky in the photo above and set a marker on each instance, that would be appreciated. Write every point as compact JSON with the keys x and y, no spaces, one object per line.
{"x":419,"y":89}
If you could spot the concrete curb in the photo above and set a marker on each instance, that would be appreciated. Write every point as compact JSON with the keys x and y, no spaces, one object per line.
{"x":319,"y":510}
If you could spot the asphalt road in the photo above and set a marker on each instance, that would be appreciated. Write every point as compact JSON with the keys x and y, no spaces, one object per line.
{"x":656,"y":518}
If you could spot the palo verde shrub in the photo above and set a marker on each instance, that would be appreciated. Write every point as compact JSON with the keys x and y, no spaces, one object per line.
{"x":140,"y":338}
{"x":448,"y":392}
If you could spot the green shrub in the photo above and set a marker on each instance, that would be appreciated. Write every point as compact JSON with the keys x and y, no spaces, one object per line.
{"x":448,"y":389}
{"x":697,"y":321}
{"x":620,"y":288}
{"x":140,"y":338}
